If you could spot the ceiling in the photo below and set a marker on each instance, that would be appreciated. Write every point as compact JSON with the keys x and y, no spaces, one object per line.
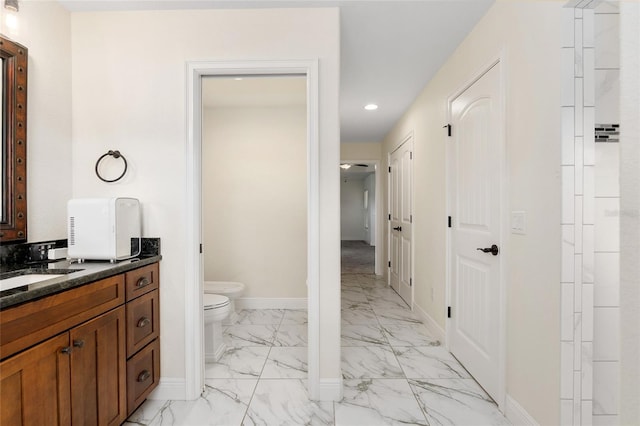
{"x":390,"y":49}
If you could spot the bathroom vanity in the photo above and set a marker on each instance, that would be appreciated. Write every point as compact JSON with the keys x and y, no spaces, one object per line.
{"x":82,"y":348}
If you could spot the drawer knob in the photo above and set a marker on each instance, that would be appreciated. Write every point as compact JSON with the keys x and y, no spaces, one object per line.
{"x":143,"y":376}
{"x":66,"y":350}
{"x":143,"y":282}
{"x":78,"y":343}
{"x":143,"y":322}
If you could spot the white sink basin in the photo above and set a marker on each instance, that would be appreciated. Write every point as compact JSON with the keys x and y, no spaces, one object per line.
{"x":21,"y":280}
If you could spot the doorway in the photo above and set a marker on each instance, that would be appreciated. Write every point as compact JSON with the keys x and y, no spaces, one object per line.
{"x":475,"y":190}
{"x":401,"y":220}
{"x":194,"y":270}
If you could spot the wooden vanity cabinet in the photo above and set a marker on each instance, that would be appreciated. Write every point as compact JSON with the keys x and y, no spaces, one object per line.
{"x":81,"y":375}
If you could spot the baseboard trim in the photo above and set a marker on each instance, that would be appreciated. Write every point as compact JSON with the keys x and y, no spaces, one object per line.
{"x":517,"y":415}
{"x":170,"y":389}
{"x":431,"y":324}
{"x":271,"y":303}
{"x":330,"y":389}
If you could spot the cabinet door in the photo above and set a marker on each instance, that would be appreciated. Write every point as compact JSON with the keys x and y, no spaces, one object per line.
{"x":35,"y":385}
{"x":98,"y":370}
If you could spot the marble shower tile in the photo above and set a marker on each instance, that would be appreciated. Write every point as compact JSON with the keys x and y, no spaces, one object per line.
{"x":429,"y":363}
{"x":607,"y":91}
{"x":606,"y":291}
{"x":291,"y":335}
{"x":286,"y":402}
{"x":238,"y":363}
{"x":606,"y":334}
{"x":606,"y":387}
{"x":286,"y":363}
{"x":260,"y":316}
{"x":607,"y":40}
{"x":456,"y":402}
{"x":369,"y":362}
{"x":607,"y":225}
{"x":378,"y":402}
{"x":363,"y":335}
{"x":409,"y":335}
{"x":249,"y":335}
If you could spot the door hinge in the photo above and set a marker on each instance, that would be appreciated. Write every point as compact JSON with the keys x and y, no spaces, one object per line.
{"x":410,"y":282}
{"x":449,"y":222}
{"x":389,"y":264}
{"x":448,"y":127}
{"x":410,"y":155}
{"x":410,"y":218}
{"x":448,"y":311}
{"x":389,"y":216}
{"x":200,"y":248}
{"x":389,"y":169}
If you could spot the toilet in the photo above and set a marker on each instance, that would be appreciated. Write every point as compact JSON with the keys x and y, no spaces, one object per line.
{"x":230,"y":289}
{"x":216,"y":310}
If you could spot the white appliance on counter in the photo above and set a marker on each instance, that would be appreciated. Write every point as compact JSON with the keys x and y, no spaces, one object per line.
{"x":104,"y":228}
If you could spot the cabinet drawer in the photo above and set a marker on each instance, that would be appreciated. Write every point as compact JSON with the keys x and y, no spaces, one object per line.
{"x":25,"y":325}
{"x":143,"y":374}
{"x":143,"y":321}
{"x":142,"y":280}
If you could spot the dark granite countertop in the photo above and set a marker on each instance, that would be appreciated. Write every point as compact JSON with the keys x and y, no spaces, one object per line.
{"x":74,"y":275}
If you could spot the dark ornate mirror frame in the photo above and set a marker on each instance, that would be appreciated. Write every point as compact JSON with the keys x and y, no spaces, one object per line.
{"x":13,"y":224}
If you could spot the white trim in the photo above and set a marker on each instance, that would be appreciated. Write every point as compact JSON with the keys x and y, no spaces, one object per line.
{"x":169,"y":389}
{"x":330,"y":389}
{"x":500,"y":61}
{"x":433,"y":327}
{"x":517,"y":415}
{"x":271,"y":303}
{"x":194,"y":325}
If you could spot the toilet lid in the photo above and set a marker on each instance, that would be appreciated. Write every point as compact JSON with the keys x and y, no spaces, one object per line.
{"x":213,"y":301}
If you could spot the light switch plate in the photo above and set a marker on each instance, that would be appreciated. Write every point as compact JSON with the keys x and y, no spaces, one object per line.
{"x":518,"y":222}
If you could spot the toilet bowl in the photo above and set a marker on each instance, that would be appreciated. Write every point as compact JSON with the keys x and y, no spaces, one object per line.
{"x":231,"y":289}
{"x":216,"y":310}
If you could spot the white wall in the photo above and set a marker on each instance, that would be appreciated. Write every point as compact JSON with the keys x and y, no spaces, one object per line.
{"x":528,"y":34}
{"x":360,"y":151}
{"x":129,"y":93}
{"x":44,"y":29}
{"x":255,"y":199}
{"x":352,"y":210}
{"x":629,"y":213}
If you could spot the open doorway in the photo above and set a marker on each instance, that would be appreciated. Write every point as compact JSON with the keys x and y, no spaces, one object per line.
{"x":359,"y":216}
{"x":195,"y":267}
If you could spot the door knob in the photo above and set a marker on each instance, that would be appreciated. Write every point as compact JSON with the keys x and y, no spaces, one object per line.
{"x":398,"y":228}
{"x":494,"y":250}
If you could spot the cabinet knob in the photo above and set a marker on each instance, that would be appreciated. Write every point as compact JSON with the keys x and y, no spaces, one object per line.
{"x":143,"y":282}
{"x":78,"y":343}
{"x":66,"y":350}
{"x":143,"y":322}
{"x":143,"y":376}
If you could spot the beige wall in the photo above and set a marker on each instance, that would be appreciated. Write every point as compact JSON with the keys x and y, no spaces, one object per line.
{"x":532,"y":74}
{"x":360,"y":151}
{"x":129,"y":93}
{"x":44,"y":28}
{"x":255,"y":199}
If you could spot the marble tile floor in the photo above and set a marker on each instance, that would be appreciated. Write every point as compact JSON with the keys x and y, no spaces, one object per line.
{"x":394,"y":372}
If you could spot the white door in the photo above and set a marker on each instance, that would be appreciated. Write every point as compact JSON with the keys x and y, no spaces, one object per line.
{"x":475,"y":207}
{"x":400,"y":197}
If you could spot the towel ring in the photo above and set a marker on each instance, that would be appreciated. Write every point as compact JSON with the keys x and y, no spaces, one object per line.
{"x":114,"y":154}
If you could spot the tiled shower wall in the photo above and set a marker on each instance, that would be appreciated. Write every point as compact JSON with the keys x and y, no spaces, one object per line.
{"x":590,"y":217}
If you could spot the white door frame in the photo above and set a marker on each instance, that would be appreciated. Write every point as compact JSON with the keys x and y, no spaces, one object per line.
{"x":194,"y":325}
{"x":499,"y":61}
{"x":408,"y":138}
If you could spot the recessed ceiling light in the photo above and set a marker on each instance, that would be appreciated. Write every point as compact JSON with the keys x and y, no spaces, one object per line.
{"x":371,"y":107}
{"x":238,"y":78}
